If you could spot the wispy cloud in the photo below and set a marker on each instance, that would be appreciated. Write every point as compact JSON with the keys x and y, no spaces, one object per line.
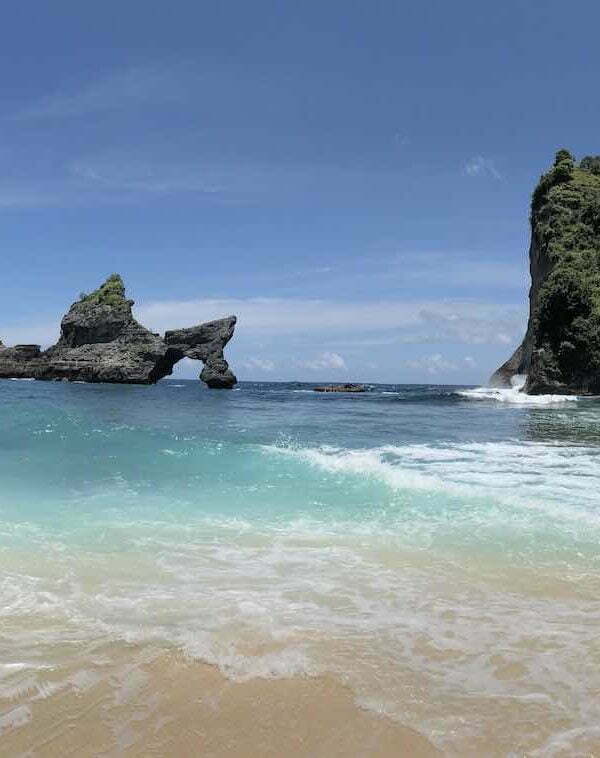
{"x":479,"y":165}
{"x":467,"y":270}
{"x":437,"y":364}
{"x":401,"y":139}
{"x":260,"y":364}
{"x":396,"y":321}
{"x":349,"y":324}
{"x":114,"y":90}
{"x":322,"y":362}
{"x":161,"y":168}
{"x":44,"y":334}
{"x":17,"y":196}
{"x":146,"y":177}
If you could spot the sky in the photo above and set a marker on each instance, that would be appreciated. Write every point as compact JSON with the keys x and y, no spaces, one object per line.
{"x":351,"y":179}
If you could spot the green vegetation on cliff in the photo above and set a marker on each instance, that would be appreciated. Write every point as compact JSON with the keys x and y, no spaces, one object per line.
{"x":565,"y":216}
{"x":112,"y":293}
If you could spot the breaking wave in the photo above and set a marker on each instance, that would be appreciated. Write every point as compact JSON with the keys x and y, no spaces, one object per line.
{"x":561,"y":480}
{"x":514,"y":394}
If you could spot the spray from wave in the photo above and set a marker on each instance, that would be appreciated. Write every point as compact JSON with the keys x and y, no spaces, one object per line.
{"x":514,"y":394}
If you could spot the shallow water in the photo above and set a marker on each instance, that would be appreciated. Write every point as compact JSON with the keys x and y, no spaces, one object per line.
{"x":435,"y":548}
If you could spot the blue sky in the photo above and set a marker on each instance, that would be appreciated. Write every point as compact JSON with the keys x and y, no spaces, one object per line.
{"x":352,"y":179}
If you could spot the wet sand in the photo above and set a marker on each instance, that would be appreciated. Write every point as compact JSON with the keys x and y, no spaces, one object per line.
{"x":168,"y":705}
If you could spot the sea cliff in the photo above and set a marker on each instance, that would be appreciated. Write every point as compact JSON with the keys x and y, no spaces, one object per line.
{"x":560,"y":353}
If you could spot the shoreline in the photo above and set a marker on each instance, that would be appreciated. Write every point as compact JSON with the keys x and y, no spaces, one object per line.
{"x":435,"y":556}
{"x":170,"y":705}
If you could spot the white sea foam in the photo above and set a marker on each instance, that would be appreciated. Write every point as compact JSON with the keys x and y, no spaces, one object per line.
{"x":287,"y":600}
{"x":515,"y":394}
{"x":274,"y":606}
{"x":561,"y":480}
{"x":278,"y":664}
{"x":15,"y":718}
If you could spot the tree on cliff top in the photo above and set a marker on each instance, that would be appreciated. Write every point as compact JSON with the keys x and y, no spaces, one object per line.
{"x":561,"y":172}
{"x":591,"y":163}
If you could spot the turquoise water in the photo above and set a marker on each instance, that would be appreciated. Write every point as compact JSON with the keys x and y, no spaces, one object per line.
{"x":411,"y":539}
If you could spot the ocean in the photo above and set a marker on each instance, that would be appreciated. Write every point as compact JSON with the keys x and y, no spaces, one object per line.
{"x":432,"y":549}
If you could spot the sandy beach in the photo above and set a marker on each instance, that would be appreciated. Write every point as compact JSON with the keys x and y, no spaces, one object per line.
{"x":151,"y":703}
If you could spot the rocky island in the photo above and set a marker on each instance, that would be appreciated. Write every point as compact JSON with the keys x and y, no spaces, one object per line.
{"x":341,"y":388}
{"x":100,"y":341}
{"x":560,"y":353}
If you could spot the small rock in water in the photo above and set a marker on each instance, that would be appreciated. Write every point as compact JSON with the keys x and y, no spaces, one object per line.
{"x":341,"y":388}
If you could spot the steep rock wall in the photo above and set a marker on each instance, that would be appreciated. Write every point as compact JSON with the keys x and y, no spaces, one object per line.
{"x":560,"y":353}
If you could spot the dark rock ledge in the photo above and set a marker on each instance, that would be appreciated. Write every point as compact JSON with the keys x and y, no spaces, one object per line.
{"x":341,"y":388}
{"x":100,"y":341}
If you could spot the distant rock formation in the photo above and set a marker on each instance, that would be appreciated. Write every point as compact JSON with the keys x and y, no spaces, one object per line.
{"x":100,"y":341}
{"x":560,"y":353}
{"x":205,"y":343}
{"x":341,"y":388}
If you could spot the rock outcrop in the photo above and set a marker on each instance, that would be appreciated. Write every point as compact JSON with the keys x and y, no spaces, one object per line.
{"x":100,"y":341}
{"x":341,"y":388}
{"x":205,"y":342}
{"x":560,"y":353}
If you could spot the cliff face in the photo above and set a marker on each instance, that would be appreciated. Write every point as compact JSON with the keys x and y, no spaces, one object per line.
{"x":100,"y":341}
{"x":560,"y":353}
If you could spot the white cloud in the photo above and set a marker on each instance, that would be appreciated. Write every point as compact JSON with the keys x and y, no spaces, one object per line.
{"x":477,"y":327}
{"x":323,"y":361}
{"x":37,"y":334}
{"x":504,"y":339}
{"x":187,"y":369}
{"x":436,"y":364}
{"x":262,"y":364}
{"x":432,"y":364}
{"x":481,"y":166}
{"x":388,"y":320}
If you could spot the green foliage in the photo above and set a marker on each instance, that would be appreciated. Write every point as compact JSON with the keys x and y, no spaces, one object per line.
{"x":563,"y":155}
{"x":565,"y":218}
{"x":591,"y":163}
{"x":565,"y":296}
{"x":561,"y":172}
{"x":112,"y":293}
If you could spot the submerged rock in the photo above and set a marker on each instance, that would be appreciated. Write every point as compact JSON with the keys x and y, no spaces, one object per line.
{"x":341,"y":388}
{"x":100,"y":341}
{"x":560,"y":353}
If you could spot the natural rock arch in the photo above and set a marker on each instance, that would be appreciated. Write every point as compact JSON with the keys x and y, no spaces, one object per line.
{"x":100,"y":341}
{"x":204,"y":342}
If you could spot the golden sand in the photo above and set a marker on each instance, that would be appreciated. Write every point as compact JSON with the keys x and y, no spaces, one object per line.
{"x":167,"y":705}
